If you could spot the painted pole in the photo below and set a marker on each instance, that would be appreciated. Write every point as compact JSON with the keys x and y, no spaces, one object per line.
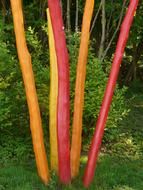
{"x":53,"y":97}
{"x":79,"y":89}
{"x":63,"y":112}
{"x":99,"y":131}
{"x":32,"y":100}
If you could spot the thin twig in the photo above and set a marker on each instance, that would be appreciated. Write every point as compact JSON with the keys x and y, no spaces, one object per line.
{"x":118,"y":26}
{"x":95,"y":18}
{"x":108,"y":24}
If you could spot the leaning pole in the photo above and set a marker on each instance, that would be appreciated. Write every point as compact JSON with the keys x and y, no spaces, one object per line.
{"x":63,"y":105}
{"x":31,"y":95}
{"x":99,"y":131}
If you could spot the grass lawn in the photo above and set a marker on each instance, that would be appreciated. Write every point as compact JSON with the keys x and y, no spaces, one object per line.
{"x":114,"y":172}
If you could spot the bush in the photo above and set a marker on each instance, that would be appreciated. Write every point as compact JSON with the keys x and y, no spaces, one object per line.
{"x":14,"y":130}
{"x":15,"y":138}
{"x":14,"y":119}
{"x":95,"y":84}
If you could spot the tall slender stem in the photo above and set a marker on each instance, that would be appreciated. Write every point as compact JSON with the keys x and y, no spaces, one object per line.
{"x":31,"y":95}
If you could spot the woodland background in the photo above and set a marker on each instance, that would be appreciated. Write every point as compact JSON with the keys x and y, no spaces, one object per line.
{"x":124,"y":131}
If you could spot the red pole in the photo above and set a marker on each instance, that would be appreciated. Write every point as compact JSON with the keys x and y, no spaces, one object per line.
{"x":63,"y":115}
{"x":99,"y":131}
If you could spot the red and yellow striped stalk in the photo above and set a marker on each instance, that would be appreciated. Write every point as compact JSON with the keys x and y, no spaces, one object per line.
{"x":53,"y":97}
{"x":63,"y":110}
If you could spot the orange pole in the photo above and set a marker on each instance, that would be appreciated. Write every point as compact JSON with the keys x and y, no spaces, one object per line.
{"x":79,"y":89}
{"x":32,"y":100}
{"x":53,"y":97}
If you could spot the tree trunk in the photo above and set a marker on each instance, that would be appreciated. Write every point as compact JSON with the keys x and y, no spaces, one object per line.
{"x":68,"y":16}
{"x":114,"y":35}
{"x":3,"y":10}
{"x":76,"y":17}
{"x":101,"y":48}
{"x":133,"y":68}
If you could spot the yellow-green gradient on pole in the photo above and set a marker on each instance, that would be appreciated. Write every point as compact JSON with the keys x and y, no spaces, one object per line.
{"x":53,"y":97}
{"x":79,"y":88}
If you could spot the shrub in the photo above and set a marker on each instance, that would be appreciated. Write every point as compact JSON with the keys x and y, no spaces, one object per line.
{"x":14,"y":118}
{"x":15,"y":138}
{"x":95,"y":84}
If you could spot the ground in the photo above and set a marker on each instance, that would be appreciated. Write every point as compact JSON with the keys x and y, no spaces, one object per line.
{"x":119,"y":171}
{"x":112,"y":174}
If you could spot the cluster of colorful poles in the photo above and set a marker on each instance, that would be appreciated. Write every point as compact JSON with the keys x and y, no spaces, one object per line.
{"x":64,"y":161}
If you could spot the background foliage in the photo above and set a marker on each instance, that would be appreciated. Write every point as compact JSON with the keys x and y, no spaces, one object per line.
{"x":15,"y":139}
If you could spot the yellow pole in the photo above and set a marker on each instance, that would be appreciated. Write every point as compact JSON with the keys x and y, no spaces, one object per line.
{"x":32,"y":100}
{"x":79,"y":89}
{"x":53,"y":97}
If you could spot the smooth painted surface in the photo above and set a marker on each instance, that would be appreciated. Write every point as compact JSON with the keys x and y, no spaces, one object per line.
{"x":79,"y":88}
{"x":31,"y":95}
{"x":63,"y":117}
{"x":99,"y":131}
{"x":53,"y":97}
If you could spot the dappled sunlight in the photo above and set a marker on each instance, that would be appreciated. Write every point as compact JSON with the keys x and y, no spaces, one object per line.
{"x":124,"y":188}
{"x":83,"y":159}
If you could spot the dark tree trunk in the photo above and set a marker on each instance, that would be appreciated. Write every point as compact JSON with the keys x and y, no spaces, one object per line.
{"x":68,"y":16}
{"x":76,"y":17}
{"x":132,"y":72}
{"x":3,"y":10}
{"x":101,"y":48}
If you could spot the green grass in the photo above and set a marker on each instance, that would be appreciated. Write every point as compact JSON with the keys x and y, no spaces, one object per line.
{"x":112,"y":173}
{"x":120,"y":169}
